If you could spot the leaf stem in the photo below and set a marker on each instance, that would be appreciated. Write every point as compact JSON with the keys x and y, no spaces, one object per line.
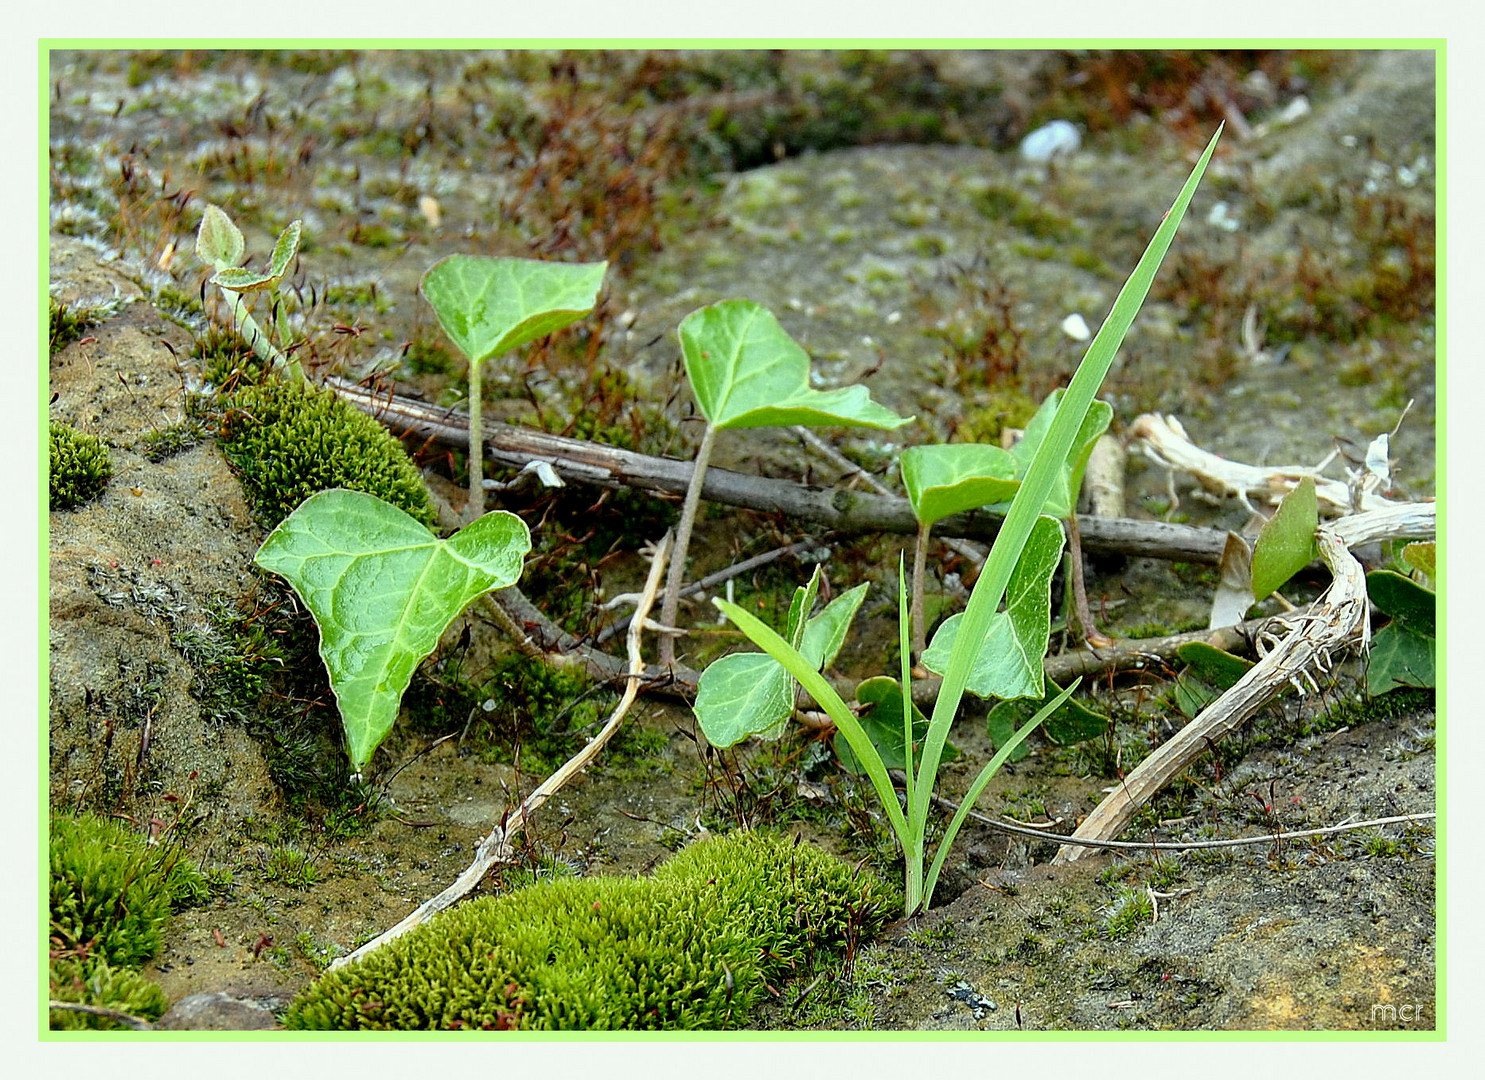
{"x":673,"y":581}
{"x":476,"y":505}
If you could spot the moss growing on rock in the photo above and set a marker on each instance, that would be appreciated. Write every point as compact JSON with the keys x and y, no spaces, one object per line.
{"x":80,"y":466}
{"x":96,"y":982}
{"x":111,"y":893}
{"x":289,"y":440}
{"x":693,"y":947}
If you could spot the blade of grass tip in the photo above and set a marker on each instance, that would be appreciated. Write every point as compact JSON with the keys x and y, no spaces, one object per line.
{"x":764,"y":636}
{"x":904,"y":639}
{"x":986,"y":774}
{"x":1032,"y":495}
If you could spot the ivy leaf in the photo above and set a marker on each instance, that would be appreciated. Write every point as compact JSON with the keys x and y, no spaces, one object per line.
{"x":745,"y":694}
{"x":1064,"y":493}
{"x":1072,"y":722}
{"x":489,"y":306}
{"x":947,"y":478}
{"x":882,"y":722}
{"x":741,"y":695}
{"x":218,"y":240}
{"x":243,"y":280}
{"x":1009,"y":663}
{"x":1403,"y":651}
{"x":1286,"y":543}
{"x":382,"y":589}
{"x":745,"y":371}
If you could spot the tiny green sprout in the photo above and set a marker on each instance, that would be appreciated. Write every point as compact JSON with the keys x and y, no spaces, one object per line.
{"x":489,"y":306}
{"x":219,"y":244}
{"x":746,"y":371}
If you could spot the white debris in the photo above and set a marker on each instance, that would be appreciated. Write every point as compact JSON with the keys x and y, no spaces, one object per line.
{"x":1222,"y":217}
{"x":1060,"y":138}
{"x":1076,"y":327}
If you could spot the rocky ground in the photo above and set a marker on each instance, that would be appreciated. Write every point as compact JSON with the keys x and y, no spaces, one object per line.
{"x":884,"y":261}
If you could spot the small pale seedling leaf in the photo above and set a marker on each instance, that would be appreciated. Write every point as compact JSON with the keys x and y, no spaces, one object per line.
{"x":1420,"y":556}
{"x":382,"y":589}
{"x":1009,"y":663}
{"x":742,"y":695}
{"x":218,"y":241}
{"x":284,"y":250}
{"x":948,"y":478}
{"x":489,"y":306}
{"x":1286,"y":543}
{"x":745,"y":371}
{"x":882,"y":722}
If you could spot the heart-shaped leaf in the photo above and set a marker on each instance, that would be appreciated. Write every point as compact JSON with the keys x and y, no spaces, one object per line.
{"x":1286,"y":543}
{"x":1404,"y":601}
{"x":1399,"y":657}
{"x":747,"y":694}
{"x":489,"y":306}
{"x":218,"y":240}
{"x":1009,"y":663}
{"x":1064,"y":492}
{"x":1212,"y":665}
{"x":243,"y":280}
{"x":948,"y":478}
{"x":382,"y":589}
{"x":882,"y":722}
{"x":747,"y":372}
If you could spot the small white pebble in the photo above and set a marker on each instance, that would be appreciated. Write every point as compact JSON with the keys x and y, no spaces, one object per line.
{"x":1060,"y":138}
{"x":1076,"y":327}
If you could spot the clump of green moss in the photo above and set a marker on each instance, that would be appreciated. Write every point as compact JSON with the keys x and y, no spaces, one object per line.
{"x":693,"y":947}
{"x":111,"y":895}
{"x":100,"y":984}
{"x":80,"y":467}
{"x":289,"y":440}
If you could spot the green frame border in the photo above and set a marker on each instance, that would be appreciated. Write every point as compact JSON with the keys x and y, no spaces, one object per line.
{"x":1438,"y":46}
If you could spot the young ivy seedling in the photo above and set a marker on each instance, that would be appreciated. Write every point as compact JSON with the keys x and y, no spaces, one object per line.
{"x":488,"y":306}
{"x":745,"y":371}
{"x":219,"y":243}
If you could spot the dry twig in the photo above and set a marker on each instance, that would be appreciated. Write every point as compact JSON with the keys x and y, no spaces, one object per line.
{"x":496,"y":848}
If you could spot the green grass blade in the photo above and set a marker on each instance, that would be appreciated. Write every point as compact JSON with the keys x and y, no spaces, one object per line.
{"x":764,"y":636}
{"x":991,"y":768}
{"x":1037,"y":484}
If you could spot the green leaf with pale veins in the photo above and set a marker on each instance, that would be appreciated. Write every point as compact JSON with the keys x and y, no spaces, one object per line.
{"x":244,"y":280}
{"x":745,"y":371}
{"x":382,"y":589}
{"x":489,"y":306}
{"x":1286,"y":543}
{"x":948,"y":478}
{"x":218,"y":240}
{"x":1063,"y":495}
{"x":1009,"y":663}
{"x":746,"y":694}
